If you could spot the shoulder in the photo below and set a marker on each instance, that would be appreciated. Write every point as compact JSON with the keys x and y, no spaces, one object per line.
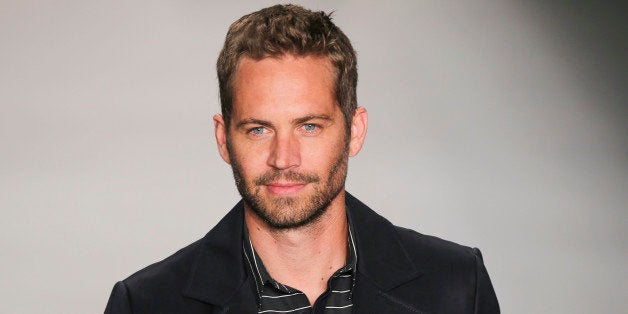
{"x":453,"y":270}
{"x":207,"y":270}
{"x":425,"y":251}
{"x":170,"y":271}
{"x":156,"y":288}
{"x":217,"y":247}
{"x":433,"y":252}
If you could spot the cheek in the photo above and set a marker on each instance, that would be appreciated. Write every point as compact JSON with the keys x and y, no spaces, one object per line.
{"x":251,"y":158}
{"x":320,"y":155}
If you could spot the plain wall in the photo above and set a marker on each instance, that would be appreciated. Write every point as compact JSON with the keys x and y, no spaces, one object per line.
{"x":500,"y":125}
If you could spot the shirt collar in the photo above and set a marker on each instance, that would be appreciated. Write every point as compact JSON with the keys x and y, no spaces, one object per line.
{"x":263,"y":278}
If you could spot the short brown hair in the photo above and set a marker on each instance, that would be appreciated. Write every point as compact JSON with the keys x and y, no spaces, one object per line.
{"x":288,"y":29}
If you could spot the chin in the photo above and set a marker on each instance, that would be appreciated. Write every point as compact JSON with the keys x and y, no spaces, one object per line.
{"x":282,"y":212}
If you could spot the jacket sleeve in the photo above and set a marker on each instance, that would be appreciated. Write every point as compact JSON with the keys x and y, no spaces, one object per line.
{"x":485,"y":298}
{"x":119,"y":301}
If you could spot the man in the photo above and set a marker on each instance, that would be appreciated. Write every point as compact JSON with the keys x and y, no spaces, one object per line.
{"x":297,"y":242}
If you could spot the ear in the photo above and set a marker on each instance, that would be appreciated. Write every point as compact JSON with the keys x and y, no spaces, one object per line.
{"x":220,"y":131}
{"x":359,"y":124}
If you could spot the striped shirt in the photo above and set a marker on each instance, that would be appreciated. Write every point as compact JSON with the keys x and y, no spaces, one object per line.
{"x":275,"y":297}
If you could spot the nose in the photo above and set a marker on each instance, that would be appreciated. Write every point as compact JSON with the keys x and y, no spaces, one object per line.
{"x":285,"y":152}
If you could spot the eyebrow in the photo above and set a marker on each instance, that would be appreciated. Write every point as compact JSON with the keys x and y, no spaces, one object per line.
{"x":300,"y":120}
{"x":311,"y":117}
{"x":252,"y":121}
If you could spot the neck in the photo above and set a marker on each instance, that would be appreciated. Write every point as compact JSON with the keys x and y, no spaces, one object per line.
{"x":305,"y":257}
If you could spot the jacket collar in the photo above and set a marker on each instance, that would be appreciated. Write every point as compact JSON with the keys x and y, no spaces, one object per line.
{"x":218,"y":274}
{"x":381,"y":256}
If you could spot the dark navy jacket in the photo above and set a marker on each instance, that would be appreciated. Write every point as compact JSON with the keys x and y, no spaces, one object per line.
{"x":399,"y":271}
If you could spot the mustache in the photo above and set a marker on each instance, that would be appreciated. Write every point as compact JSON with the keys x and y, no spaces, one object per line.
{"x":291,"y":176}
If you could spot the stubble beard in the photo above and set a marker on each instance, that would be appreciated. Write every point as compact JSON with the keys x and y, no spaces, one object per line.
{"x":284,"y":213}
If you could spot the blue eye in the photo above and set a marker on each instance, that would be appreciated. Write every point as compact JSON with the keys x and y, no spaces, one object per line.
{"x":258,"y":130}
{"x":309,"y":127}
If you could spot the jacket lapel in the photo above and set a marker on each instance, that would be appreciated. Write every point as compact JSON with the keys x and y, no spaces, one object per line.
{"x":218,"y":276}
{"x":369,"y":298}
{"x":383,"y":263}
{"x":244,"y":301}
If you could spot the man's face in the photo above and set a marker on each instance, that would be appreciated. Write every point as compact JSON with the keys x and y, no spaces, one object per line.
{"x":287,"y":142}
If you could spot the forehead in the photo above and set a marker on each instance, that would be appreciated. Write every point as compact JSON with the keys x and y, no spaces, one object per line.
{"x":285,"y":83}
{"x":285,"y":60}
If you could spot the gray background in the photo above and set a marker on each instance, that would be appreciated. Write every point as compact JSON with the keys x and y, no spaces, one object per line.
{"x":500,"y":125}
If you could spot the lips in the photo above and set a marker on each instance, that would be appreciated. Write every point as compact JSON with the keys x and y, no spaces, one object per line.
{"x":284,"y":188}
